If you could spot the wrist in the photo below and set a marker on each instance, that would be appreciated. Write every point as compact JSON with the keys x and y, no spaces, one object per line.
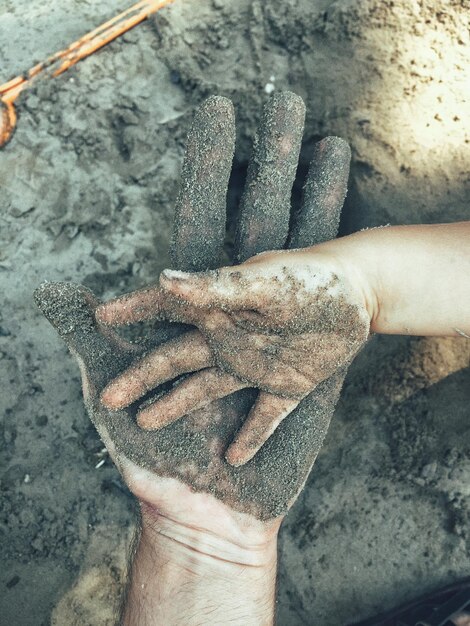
{"x":353,"y":260}
{"x":186,"y":575}
{"x":232,"y":545}
{"x":197,"y":560}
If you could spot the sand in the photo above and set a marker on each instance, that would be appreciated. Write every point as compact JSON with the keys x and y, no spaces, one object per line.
{"x":88,"y":187}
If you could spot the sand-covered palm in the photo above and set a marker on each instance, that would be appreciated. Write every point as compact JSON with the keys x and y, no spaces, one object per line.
{"x":282,"y":322}
{"x":192,"y":450}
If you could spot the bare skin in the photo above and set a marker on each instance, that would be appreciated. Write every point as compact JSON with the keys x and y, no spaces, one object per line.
{"x":197,"y":558}
{"x":207,"y":547}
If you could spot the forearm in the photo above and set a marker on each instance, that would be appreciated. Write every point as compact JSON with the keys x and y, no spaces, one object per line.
{"x":189,"y":578}
{"x":414,"y":279}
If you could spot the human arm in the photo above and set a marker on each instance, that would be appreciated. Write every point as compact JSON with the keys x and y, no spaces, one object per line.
{"x":197,"y":560}
{"x":415,"y":278}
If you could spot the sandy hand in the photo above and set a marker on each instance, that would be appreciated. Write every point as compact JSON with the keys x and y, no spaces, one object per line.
{"x":262,"y":225}
{"x":192,"y":451}
{"x":283,"y":322}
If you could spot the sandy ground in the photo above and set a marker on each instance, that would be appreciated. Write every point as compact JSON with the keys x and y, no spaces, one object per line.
{"x":87,"y":192}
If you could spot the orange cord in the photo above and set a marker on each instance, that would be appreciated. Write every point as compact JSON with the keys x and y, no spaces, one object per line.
{"x":62,"y":61}
{"x":7,"y":122}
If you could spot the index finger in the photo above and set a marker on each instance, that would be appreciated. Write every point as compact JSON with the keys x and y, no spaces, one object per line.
{"x":138,"y":306}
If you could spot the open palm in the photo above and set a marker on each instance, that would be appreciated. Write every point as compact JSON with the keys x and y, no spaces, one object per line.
{"x":193,"y":450}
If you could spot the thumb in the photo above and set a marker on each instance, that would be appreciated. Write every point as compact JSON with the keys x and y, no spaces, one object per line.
{"x":70,"y":309}
{"x":227,"y":288}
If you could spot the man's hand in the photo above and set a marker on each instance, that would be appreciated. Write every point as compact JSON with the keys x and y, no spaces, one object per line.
{"x":193,"y":450}
{"x":208,"y":541}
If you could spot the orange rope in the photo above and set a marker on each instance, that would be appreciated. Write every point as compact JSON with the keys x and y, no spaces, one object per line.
{"x":63,"y":60}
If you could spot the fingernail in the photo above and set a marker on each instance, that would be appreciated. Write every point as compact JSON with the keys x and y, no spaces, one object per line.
{"x":175,"y":275}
